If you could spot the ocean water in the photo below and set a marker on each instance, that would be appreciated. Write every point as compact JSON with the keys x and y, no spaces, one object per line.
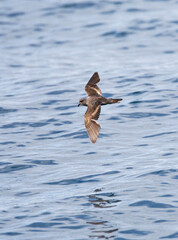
{"x":55,"y":184}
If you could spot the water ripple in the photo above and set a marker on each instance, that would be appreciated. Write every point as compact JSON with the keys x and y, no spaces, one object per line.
{"x":171,"y":236}
{"x":136,"y":232}
{"x":159,"y":134}
{"x":3,"y":110}
{"x":160,"y":172}
{"x":80,"y":5}
{"x":116,"y":34}
{"x":151,"y":204}
{"x":83,"y":179}
{"x":15,"y":167}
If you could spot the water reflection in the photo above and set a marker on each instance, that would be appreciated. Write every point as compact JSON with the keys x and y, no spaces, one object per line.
{"x":103,"y":200}
{"x":101,"y":227}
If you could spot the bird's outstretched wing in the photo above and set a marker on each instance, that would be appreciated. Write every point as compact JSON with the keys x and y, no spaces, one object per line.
{"x":91,"y":88}
{"x":92,"y":126}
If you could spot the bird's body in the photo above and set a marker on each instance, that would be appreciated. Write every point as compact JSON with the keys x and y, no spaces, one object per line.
{"x":94,"y":102}
{"x":99,"y":100}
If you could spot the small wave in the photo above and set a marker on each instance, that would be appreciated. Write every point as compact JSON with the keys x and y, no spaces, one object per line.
{"x":151,"y":204}
{"x":160,"y":172}
{"x":116,"y":34}
{"x":171,"y":236}
{"x":89,"y":178}
{"x":15,"y":14}
{"x":43,"y":224}
{"x":11,"y":233}
{"x":143,"y":114}
{"x":8,"y":142}
{"x":15,"y":167}
{"x":79,"y":5}
{"x":136,"y":232}
{"x":136,"y":10}
{"x":159,"y":134}
{"x":58,"y":92}
{"x":7,"y":110}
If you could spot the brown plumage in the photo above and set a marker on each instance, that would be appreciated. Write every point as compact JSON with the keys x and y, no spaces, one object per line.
{"x":94,"y":102}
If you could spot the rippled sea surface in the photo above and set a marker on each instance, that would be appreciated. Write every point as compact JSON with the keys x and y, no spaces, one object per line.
{"x":56,"y":184}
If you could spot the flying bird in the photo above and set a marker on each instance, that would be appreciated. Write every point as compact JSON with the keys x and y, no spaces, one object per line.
{"x":93,"y":103}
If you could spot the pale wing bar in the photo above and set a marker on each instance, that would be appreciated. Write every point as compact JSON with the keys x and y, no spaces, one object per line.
{"x":91,"y":88}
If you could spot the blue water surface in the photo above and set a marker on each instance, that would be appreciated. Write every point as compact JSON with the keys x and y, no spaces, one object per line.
{"x":55,"y":184}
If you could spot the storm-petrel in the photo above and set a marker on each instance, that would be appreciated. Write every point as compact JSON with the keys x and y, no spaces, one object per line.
{"x":94,"y":102}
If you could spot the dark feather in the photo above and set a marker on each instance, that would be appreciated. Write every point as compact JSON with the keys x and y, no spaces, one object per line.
{"x":92,"y":126}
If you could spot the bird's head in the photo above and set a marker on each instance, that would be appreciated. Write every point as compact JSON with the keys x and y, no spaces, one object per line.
{"x":82,"y":102}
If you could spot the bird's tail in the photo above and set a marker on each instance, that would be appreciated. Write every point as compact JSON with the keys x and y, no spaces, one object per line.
{"x":111,"y":100}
